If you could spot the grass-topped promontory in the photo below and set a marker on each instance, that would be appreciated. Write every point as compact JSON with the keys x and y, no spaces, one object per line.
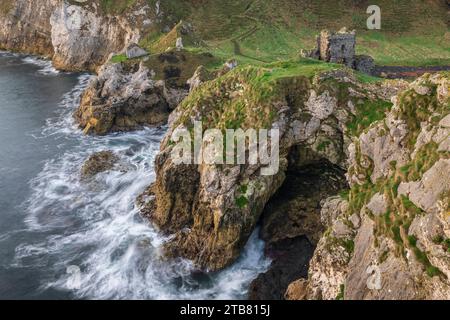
{"x":247,"y":96}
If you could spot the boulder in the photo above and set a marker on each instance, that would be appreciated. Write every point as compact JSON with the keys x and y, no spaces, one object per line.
{"x":134,"y":51}
{"x":297,"y":290}
{"x":99,"y":162}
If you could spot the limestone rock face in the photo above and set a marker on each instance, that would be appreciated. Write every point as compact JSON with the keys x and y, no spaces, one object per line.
{"x":78,"y":36}
{"x":25,"y":26}
{"x":212,"y":209}
{"x":134,"y":51}
{"x":296,"y":290}
{"x":121,"y":100}
{"x":83,"y":39}
{"x":396,"y":217}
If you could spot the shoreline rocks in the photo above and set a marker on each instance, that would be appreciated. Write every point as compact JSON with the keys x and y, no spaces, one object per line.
{"x":119,"y":99}
{"x":97,"y":163}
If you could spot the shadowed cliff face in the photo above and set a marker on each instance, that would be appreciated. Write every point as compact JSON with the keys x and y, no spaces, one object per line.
{"x":291,"y":225}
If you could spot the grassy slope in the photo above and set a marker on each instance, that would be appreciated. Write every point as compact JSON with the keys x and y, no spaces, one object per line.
{"x":413,"y":32}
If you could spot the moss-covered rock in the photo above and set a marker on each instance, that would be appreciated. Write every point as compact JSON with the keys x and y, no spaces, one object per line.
{"x":399,"y":177}
{"x":213,"y":216}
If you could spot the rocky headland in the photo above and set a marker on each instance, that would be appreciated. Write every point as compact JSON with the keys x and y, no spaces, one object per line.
{"x":359,"y":208}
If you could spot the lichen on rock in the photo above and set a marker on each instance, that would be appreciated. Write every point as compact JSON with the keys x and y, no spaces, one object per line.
{"x":398,"y":172}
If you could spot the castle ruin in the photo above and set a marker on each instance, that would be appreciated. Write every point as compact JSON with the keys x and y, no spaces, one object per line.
{"x":337,"y":47}
{"x":340,"y":47}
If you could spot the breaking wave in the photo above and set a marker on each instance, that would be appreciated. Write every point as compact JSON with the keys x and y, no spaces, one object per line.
{"x":45,"y":66}
{"x":96,"y":245}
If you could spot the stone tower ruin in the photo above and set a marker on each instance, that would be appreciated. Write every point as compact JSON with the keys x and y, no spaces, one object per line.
{"x":337,"y":47}
{"x":340,"y":47}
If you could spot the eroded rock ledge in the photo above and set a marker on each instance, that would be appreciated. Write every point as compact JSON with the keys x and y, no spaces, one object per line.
{"x":121,"y":100}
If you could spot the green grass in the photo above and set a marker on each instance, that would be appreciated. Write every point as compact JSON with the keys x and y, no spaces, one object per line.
{"x":279,"y":29}
{"x":341,"y":293}
{"x":258,"y":31}
{"x":241,"y":202}
{"x":119,"y":58}
{"x":367,"y":113}
{"x":116,"y":6}
{"x":262,"y":86}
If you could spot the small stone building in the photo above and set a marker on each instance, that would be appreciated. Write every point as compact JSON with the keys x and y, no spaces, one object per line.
{"x":337,"y":47}
{"x":340,"y":47}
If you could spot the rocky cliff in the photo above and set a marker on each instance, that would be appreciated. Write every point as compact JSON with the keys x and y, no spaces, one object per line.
{"x":25,"y":25}
{"x":388,"y":238}
{"x":127,"y":95}
{"x":212,"y":209}
{"x":77,"y":35}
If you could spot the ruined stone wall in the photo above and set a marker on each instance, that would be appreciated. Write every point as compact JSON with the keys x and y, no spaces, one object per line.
{"x":338,"y":47}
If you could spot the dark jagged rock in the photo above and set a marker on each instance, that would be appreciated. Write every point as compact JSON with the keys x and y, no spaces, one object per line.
{"x":97,"y":163}
{"x":292,"y":226}
{"x":290,"y":262}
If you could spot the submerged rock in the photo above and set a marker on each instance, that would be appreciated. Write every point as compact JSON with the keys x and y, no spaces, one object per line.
{"x":99,"y":162}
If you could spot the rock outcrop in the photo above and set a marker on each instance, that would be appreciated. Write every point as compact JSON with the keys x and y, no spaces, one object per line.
{"x":389,"y":239}
{"x":97,"y":163}
{"x":212,"y":209}
{"x":120,"y":99}
{"x":126,"y":96}
{"x":82,"y":38}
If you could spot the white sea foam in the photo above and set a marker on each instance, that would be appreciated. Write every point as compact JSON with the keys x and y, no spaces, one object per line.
{"x":96,"y":226}
{"x":46,"y":66}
